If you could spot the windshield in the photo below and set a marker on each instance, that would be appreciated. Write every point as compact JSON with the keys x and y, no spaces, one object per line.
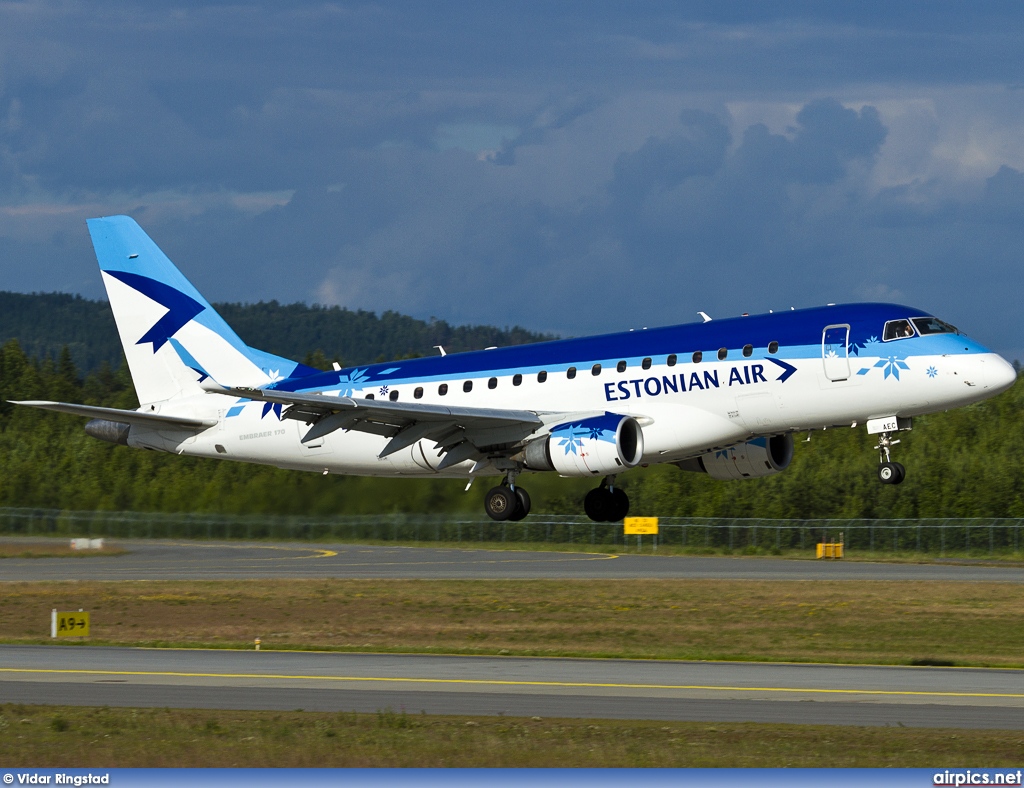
{"x":932,"y":325}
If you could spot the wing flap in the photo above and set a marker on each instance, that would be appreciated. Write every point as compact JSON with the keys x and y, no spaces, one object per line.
{"x":457,"y":431}
{"x":397,"y":413}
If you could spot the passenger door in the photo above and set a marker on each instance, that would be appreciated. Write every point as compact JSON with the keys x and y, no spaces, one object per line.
{"x":835,"y":351}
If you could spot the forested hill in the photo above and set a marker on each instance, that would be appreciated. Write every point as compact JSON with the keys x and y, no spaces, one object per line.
{"x":964,"y":463}
{"x":44,"y":323}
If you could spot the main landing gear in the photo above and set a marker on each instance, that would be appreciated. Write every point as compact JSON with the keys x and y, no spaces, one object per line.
{"x":607,"y":503}
{"x":889,"y":472}
{"x":507,"y":501}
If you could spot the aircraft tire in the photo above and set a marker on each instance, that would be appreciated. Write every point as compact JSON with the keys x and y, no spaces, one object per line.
{"x":500,"y":503}
{"x":522,"y":505}
{"x":901,"y":473}
{"x":598,"y":505}
{"x":889,"y":473}
{"x":620,"y":505}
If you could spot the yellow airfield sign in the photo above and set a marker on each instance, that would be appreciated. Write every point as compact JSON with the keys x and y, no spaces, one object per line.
{"x":69,"y":625}
{"x":640,"y":526}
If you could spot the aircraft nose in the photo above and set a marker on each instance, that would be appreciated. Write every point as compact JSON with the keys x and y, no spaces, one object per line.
{"x":999,"y":373}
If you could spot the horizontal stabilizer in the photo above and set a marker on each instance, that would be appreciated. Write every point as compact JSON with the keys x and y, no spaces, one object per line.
{"x":122,"y":416}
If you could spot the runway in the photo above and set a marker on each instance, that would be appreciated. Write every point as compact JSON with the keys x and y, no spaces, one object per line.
{"x":623,"y":689}
{"x":195,"y":560}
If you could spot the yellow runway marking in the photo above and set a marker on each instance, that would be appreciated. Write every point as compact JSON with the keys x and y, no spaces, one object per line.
{"x":316,"y":551}
{"x":324,"y":553}
{"x":513,"y":683}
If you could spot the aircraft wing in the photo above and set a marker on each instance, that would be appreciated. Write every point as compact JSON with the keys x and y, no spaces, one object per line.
{"x":118,"y":415}
{"x":460,"y":433}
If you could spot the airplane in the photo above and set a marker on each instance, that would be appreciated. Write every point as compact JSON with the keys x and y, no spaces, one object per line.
{"x":722,"y":397}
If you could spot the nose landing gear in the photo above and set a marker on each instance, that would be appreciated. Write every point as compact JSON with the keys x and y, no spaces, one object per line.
{"x":889,"y":472}
{"x":607,"y":503}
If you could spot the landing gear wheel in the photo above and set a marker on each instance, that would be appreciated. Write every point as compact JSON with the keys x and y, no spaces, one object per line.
{"x":620,"y":505}
{"x":598,"y":504}
{"x":522,"y":505}
{"x":500,"y":503}
{"x":891,"y":473}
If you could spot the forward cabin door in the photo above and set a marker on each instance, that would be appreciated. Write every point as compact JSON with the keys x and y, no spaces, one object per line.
{"x":835,"y":351}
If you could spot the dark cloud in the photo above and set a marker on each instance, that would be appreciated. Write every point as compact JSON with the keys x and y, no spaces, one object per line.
{"x":827,"y":138}
{"x":698,"y":148}
{"x":327,"y":152}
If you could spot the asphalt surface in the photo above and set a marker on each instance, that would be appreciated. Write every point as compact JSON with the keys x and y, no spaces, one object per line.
{"x":185,"y":560}
{"x":515,"y":686}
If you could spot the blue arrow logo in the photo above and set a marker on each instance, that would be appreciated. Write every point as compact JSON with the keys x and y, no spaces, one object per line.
{"x":787,"y":370}
{"x":180,"y":308}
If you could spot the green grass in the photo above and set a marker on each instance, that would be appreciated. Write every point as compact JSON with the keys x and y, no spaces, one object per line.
{"x":867,"y":622}
{"x":67,"y":736}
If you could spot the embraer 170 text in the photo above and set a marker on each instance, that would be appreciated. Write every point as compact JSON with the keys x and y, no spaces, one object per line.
{"x":722,"y":397}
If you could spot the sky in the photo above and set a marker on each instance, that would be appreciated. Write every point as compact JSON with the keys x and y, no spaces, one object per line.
{"x":567,"y":167}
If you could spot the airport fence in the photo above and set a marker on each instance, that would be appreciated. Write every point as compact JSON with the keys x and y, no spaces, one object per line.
{"x":954,"y":536}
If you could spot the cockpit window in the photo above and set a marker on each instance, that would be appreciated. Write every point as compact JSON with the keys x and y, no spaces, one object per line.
{"x":932,"y":325}
{"x":897,"y":329}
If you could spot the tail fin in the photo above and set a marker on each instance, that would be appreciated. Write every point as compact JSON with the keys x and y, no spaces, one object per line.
{"x":172,"y":337}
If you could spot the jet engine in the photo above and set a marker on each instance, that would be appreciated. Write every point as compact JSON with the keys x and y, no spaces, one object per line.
{"x":598,"y":446}
{"x":109,"y":431}
{"x":750,"y":460}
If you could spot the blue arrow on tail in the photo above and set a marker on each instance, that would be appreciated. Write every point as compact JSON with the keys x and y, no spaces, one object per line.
{"x":180,"y":308}
{"x":787,"y":370}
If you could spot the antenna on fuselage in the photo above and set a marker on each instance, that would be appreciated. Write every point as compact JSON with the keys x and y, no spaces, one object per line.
{"x":441,"y":349}
{"x":705,"y":317}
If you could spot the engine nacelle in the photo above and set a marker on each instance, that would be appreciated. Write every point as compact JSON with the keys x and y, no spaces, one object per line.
{"x":109,"y":431}
{"x":759,"y":457}
{"x":598,"y":446}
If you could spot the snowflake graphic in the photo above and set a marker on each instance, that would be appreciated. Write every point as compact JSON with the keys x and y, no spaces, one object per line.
{"x":274,"y":407}
{"x":573,"y":438}
{"x":354,"y":379}
{"x":931,"y":372}
{"x":383,"y":391}
{"x":892,"y":366}
{"x":856,"y":347}
{"x":596,"y":433}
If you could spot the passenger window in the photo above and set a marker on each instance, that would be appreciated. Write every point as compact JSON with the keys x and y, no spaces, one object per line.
{"x":595,"y":370}
{"x":467,"y":386}
{"x":492,"y":383}
{"x":621,"y":366}
{"x":722,"y":353}
{"x":748,"y":350}
{"x":671,"y":360}
{"x":932,"y":325}
{"x":773,"y":347}
{"x":542,"y":376}
{"x":570,"y":373}
{"x":897,"y":329}
{"x":646,"y":363}
{"x":393,"y":396}
{"x":369,"y":396}
{"x":517,"y":379}
{"x":418,"y":393}
{"x":698,"y":356}
{"x":442,"y":389}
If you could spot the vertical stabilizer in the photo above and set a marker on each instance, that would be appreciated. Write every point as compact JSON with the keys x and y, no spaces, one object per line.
{"x":172,"y":337}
